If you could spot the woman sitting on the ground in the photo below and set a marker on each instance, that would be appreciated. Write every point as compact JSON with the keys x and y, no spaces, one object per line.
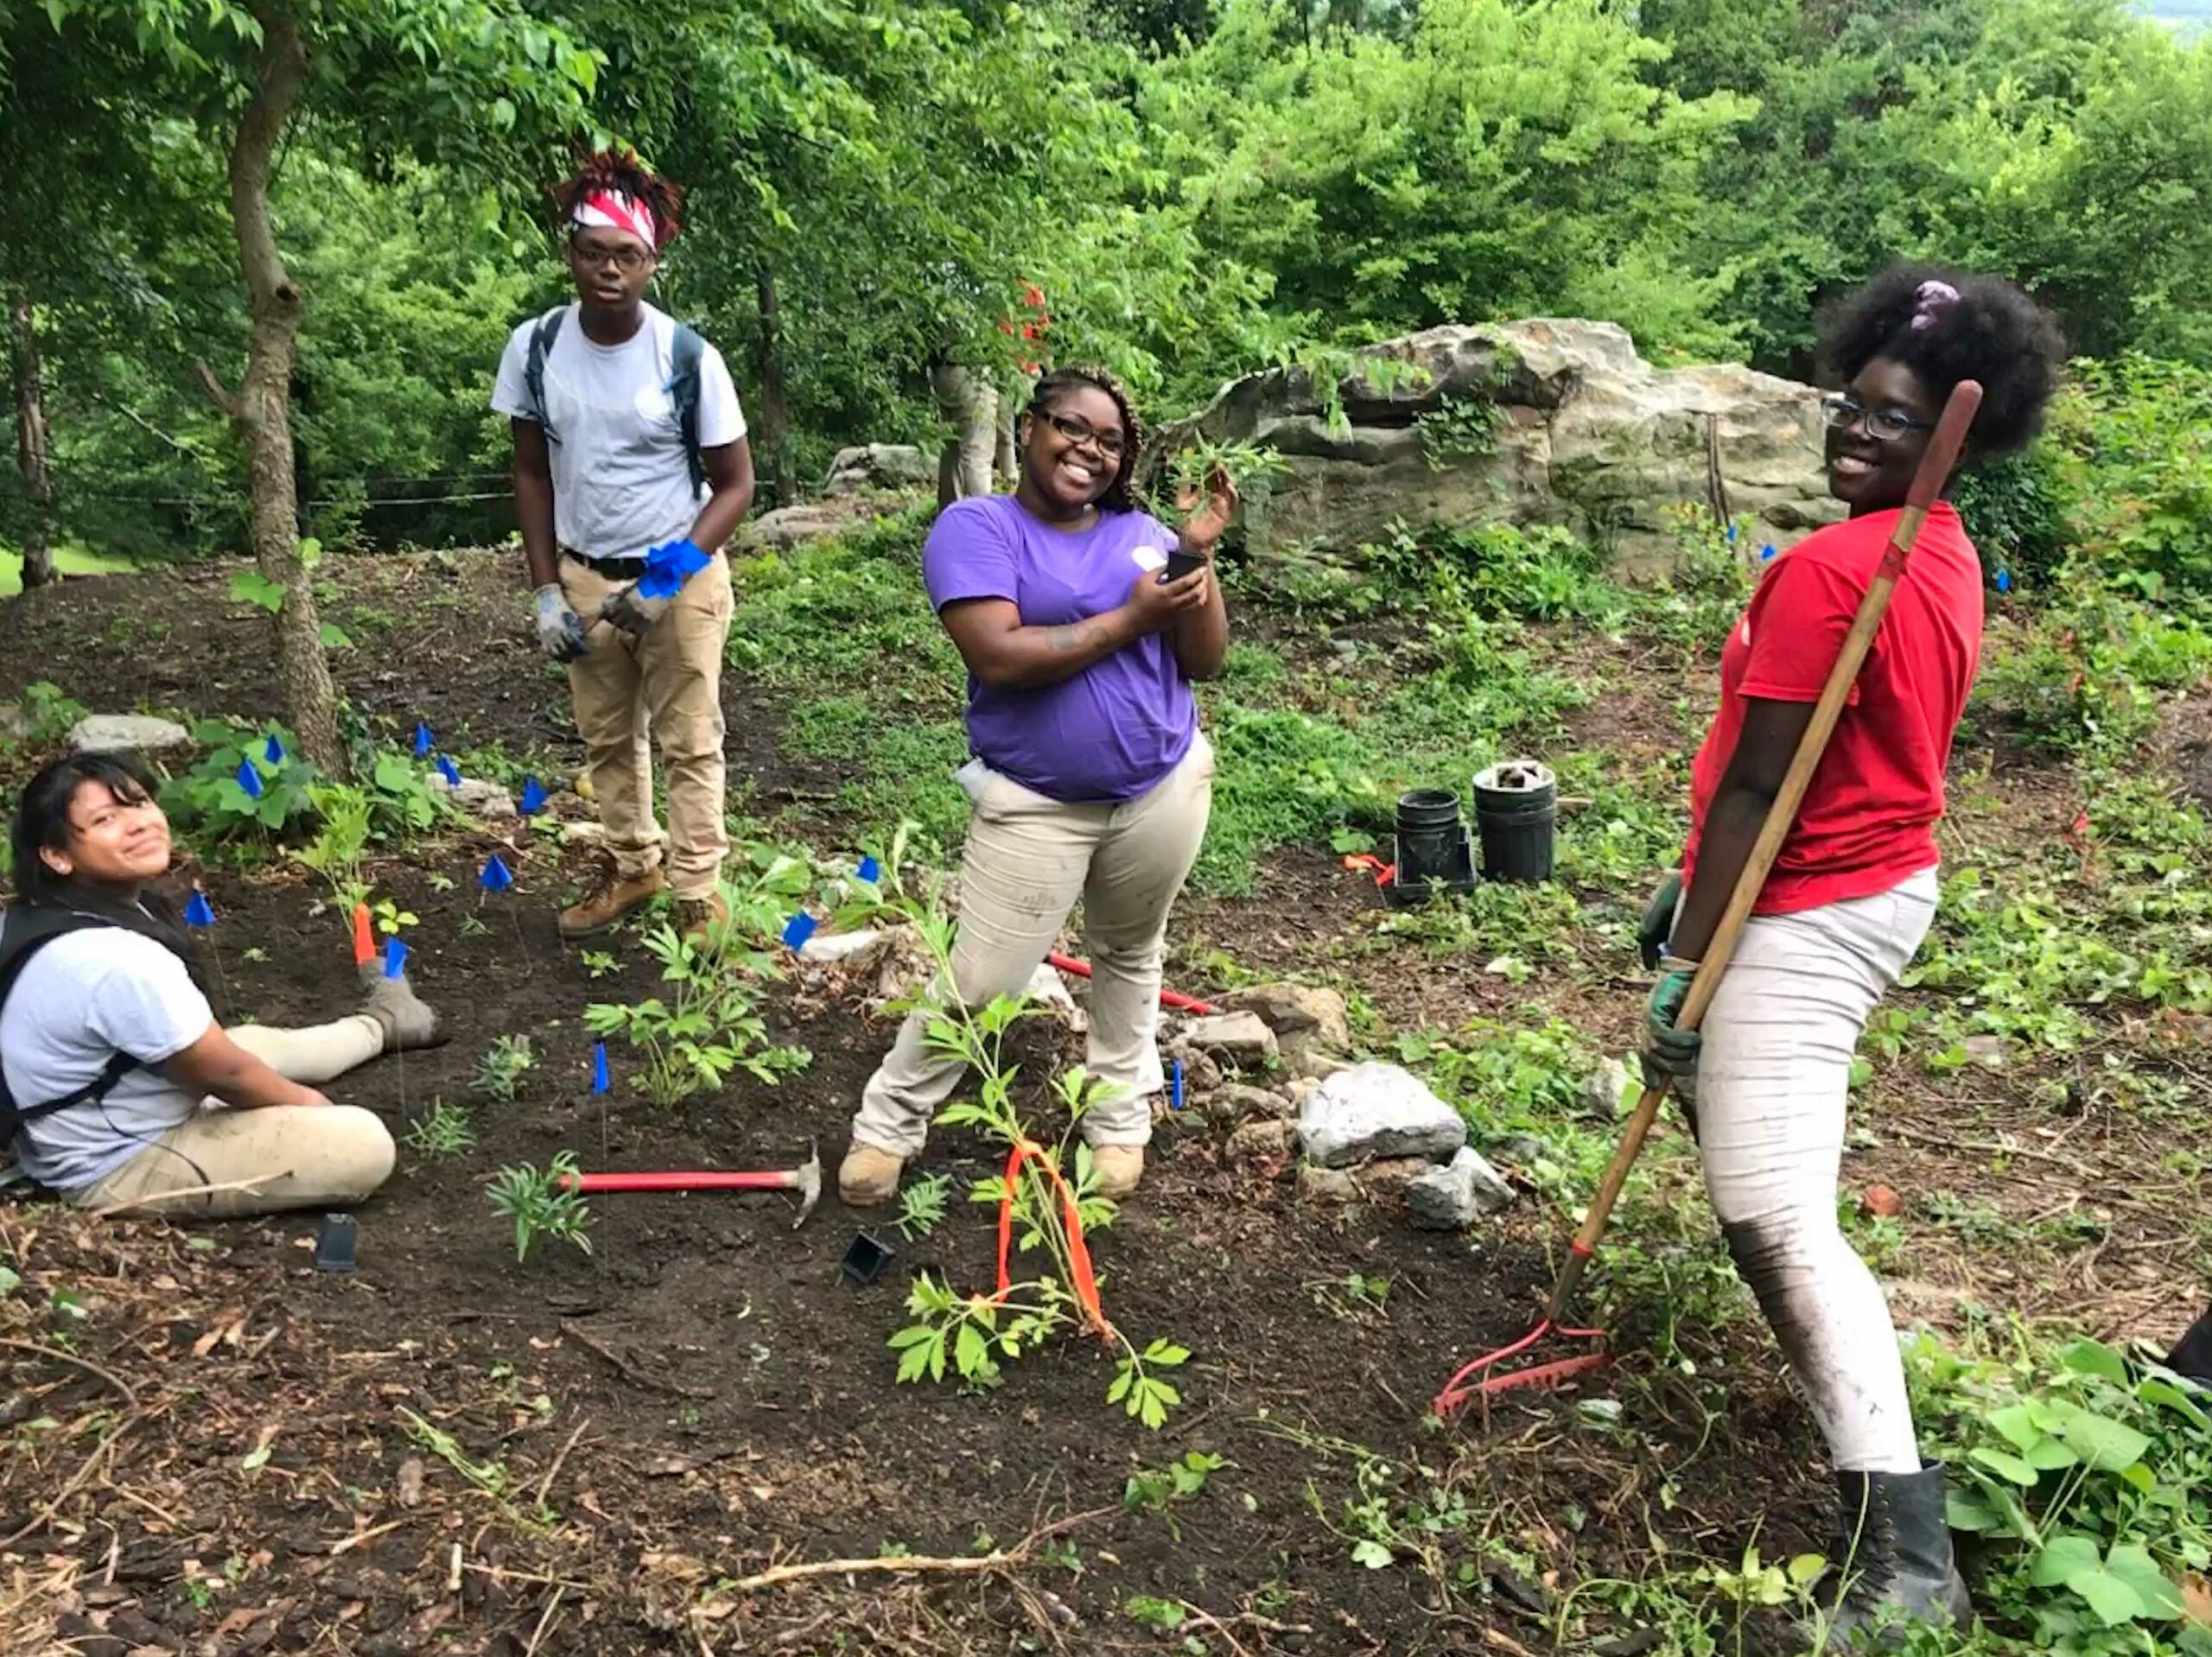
{"x":166,"y":1111}
{"x":1090,"y":779}
{"x":1852,"y":893}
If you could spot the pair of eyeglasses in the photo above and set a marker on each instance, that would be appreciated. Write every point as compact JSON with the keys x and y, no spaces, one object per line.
{"x":1883,"y":425}
{"x":1111,"y":444}
{"x":627,"y":259}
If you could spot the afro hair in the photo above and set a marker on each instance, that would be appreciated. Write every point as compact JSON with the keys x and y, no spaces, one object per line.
{"x":1990,"y":332}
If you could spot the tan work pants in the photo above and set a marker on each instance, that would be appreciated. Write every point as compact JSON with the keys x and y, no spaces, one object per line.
{"x":1028,"y":860}
{"x":272,"y":1159}
{"x":668,"y":683}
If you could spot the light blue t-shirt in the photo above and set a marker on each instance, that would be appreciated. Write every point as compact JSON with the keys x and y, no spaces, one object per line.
{"x":82,"y":998}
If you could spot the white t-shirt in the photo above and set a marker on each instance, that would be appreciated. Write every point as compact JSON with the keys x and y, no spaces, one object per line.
{"x":621,"y":483}
{"x":82,"y":998}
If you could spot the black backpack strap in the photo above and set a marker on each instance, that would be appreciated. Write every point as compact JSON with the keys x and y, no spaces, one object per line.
{"x":684,"y":356}
{"x":533,"y":369}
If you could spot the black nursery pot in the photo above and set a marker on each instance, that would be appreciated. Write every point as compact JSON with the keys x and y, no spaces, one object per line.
{"x":1516,"y":805}
{"x":1432,"y":837}
{"x":866,"y":1257}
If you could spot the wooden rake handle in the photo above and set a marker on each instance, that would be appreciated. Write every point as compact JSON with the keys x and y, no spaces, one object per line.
{"x":1935,"y":468}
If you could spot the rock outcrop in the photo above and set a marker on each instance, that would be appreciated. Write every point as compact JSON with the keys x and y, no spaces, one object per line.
{"x":1579,"y":431}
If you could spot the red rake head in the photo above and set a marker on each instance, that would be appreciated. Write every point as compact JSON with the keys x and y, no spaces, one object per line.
{"x":1462,"y":1388}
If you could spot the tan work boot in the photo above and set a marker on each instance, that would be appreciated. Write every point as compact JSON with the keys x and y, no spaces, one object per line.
{"x":868,"y":1176}
{"x":611,"y":901}
{"x":698,"y":917}
{"x":408,"y":1023}
{"x":1118,"y":1167}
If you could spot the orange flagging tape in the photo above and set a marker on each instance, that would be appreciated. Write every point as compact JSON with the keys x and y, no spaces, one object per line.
{"x":365,"y":944}
{"x":1086,"y":1282}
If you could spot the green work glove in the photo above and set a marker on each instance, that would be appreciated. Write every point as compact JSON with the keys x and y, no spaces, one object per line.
{"x":1669,"y":1053}
{"x":1659,"y":919}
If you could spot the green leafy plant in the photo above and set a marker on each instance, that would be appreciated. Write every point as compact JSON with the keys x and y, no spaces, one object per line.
{"x":542,"y":1205}
{"x":1158,"y":1490}
{"x":208,"y":798}
{"x":500,"y":1070}
{"x":342,"y":815}
{"x":442,"y":1132}
{"x":598,"y":962}
{"x":922,"y":1205}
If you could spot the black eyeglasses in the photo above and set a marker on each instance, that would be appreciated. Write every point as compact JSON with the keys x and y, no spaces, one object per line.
{"x":1111,"y":444}
{"x":626,"y":258}
{"x":1883,"y":425}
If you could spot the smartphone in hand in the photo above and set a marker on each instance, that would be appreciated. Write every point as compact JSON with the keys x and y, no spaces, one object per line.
{"x":1179,"y":564}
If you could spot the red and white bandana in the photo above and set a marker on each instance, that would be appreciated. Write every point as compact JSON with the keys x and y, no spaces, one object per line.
{"x":611,"y":210}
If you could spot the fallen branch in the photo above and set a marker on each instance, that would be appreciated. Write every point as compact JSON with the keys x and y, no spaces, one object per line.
{"x":72,"y":1359}
{"x":628,"y":1370}
{"x":100,"y":1452}
{"x":150,"y":1205}
{"x":920,"y":1564}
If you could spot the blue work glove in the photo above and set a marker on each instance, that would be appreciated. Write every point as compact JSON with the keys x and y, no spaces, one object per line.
{"x":1669,"y":1053}
{"x":1651,"y":932}
{"x":560,"y":629}
{"x":670,"y":564}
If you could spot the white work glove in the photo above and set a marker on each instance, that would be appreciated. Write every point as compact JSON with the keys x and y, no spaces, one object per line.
{"x":633,"y":614}
{"x":560,"y":630}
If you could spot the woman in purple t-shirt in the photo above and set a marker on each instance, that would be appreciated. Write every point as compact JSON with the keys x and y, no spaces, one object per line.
{"x":1090,"y":778}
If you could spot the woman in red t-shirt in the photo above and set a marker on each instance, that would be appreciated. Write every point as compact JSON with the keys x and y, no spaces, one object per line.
{"x":1852,"y":892}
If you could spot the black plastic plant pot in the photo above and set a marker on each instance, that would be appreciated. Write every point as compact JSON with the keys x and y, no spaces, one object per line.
{"x":1458,"y":880}
{"x":1516,"y":805}
{"x":867,"y":1256}
{"x":1432,"y":836}
{"x":335,"y":1244}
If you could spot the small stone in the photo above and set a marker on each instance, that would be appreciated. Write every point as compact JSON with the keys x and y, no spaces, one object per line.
{"x":1326,"y":1184}
{"x":1299,"y":1088}
{"x":1236,"y":1099}
{"x":1881,"y":1201}
{"x":1241,"y":1038}
{"x":478,"y":796}
{"x":1520,"y":1147}
{"x":592,"y":833}
{"x":1389,"y":1177}
{"x":1256,"y":1140}
{"x":1988,"y":1051}
{"x":1288,"y":1008}
{"x":1304,"y":1054}
{"x":1376,"y":1110}
{"x":1446,"y":1198}
{"x":1605,"y":1088}
{"x":408,"y":1487}
{"x":1201,"y":1073}
{"x":856,"y":950}
{"x":127,"y":733}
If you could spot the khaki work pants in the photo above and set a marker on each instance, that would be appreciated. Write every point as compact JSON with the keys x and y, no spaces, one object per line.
{"x":668,"y":683}
{"x":1028,"y":858}
{"x":272,"y":1159}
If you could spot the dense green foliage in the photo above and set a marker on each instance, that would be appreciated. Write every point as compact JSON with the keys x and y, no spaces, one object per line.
{"x":1195,"y":188}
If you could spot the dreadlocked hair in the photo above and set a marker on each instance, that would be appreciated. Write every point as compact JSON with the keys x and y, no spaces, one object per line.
{"x":1057,"y":383}
{"x":1990,"y":332}
{"x":620,"y":171}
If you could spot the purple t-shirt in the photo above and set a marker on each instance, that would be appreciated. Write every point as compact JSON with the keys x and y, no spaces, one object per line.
{"x":1115,"y":728}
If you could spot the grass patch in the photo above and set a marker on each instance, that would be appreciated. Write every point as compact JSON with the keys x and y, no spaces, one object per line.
{"x":71,"y":558}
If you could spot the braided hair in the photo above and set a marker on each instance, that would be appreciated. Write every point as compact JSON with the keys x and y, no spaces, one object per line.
{"x":621,"y":172}
{"x":1946,"y":326}
{"x":1057,"y":383}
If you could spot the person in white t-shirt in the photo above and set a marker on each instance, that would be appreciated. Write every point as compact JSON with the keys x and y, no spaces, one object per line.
{"x":632,"y":470}
{"x":168,"y":1112}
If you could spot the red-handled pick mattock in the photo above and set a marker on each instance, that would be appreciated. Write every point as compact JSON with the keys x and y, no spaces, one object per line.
{"x":1936,"y":466}
{"x":806,"y":1180}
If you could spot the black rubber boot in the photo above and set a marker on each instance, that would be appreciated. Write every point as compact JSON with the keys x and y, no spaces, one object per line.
{"x":2193,"y":1357}
{"x":1895,"y":1554}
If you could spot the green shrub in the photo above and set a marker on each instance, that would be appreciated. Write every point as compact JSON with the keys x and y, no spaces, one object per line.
{"x":2135,"y":436}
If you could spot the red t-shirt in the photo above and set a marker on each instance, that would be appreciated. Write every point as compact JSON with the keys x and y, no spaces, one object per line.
{"x":1868,"y":821}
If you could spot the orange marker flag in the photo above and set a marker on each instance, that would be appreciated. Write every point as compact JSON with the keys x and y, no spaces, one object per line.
{"x":364,"y":946}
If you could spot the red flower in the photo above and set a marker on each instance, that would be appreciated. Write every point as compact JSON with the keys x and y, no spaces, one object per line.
{"x":1029,"y":368}
{"x":1033,"y":296}
{"x":1030,"y":331}
{"x":1006,"y":327}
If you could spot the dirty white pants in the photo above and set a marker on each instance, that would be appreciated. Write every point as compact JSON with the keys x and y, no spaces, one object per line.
{"x":1028,"y":860}
{"x":301,"y":1156}
{"x":1771,"y":1093}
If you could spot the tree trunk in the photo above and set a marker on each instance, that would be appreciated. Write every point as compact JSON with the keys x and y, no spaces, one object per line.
{"x":262,"y":407}
{"x":768,"y":454}
{"x":31,"y":451}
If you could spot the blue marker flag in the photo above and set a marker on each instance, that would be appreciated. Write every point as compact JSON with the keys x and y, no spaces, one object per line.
{"x":422,"y":739}
{"x":199,"y":911}
{"x":248,"y":778}
{"x":395,"y":959}
{"x":668,"y":566}
{"x":2004,"y":580}
{"x":496,"y":876}
{"x":797,"y":929}
{"x":870,"y":870}
{"x":273,"y":750}
{"x":1175,"y":1099}
{"x":450,"y":771}
{"x":1731,"y":535}
{"x":1766,"y":552}
{"x":533,"y":796}
{"x":599,"y":1077}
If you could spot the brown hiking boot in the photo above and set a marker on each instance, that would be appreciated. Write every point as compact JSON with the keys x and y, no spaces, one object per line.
{"x":611,"y":901}
{"x":868,"y":1176}
{"x":698,"y":917}
{"x":1118,"y":1168}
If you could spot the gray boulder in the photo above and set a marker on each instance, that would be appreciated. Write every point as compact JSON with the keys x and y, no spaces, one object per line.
{"x":1579,"y":432}
{"x":878,"y":466}
{"x":1446,"y":1198}
{"x":1376,"y":1110}
{"x":477,"y":796}
{"x":1239,"y":1038}
{"x":127,"y":733}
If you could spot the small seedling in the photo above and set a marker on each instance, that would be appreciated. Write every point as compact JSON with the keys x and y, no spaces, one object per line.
{"x":921,"y":1205}
{"x":442,"y":1131}
{"x":1158,"y":1489}
{"x":501,"y":1070}
{"x":391,"y":917}
{"x":542,"y":1205}
{"x":598,"y":962}
{"x":1353,"y":1294}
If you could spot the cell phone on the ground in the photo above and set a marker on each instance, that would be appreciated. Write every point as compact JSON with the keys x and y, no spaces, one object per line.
{"x":1179,"y":564}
